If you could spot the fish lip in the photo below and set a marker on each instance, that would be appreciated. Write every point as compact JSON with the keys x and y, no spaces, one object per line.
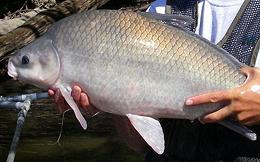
{"x":12,"y":71}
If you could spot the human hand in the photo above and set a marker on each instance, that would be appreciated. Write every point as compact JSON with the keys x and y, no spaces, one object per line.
{"x":244,"y":100}
{"x":78,"y":95}
{"x":122,"y":123}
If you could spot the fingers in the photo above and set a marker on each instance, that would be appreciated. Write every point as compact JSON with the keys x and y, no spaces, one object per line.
{"x":253,"y":76}
{"x":252,"y":122}
{"x":243,"y":100}
{"x":247,"y":70}
{"x":76,"y":92}
{"x":51,"y":92}
{"x":62,"y":104}
{"x":58,"y":97}
{"x":244,"y":116}
{"x":249,"y":117}
{"x":84,"y":100}
{"x":217,"y":116}
{"x":209,"y":98}
{"x":80,"y":97}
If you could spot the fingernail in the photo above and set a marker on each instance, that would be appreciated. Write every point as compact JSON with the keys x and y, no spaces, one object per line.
{"x":206,"y":119}
{"x":77,"y":88}
{"x":189,"y":102}
{"x":50,"y":92}
{"x":201,"y":120}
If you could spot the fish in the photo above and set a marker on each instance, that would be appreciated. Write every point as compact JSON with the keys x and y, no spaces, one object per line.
{"x":130,"y":64}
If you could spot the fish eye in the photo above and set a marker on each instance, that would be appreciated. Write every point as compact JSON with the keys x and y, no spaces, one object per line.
{"x":25,"y":60}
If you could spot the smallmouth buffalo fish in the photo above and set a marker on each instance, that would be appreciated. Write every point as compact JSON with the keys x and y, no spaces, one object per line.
{"x":130,"y":64}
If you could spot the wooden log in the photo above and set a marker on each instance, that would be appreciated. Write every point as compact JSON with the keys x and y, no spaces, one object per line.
{"x":39,"y":24}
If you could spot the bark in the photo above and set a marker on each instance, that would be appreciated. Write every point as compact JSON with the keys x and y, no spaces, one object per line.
{"x":39,"y":24}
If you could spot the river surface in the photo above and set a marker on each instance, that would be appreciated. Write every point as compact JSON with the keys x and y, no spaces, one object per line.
{"x":38,"y":142}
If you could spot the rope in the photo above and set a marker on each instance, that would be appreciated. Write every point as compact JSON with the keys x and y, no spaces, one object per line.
{"x":22,"y":103}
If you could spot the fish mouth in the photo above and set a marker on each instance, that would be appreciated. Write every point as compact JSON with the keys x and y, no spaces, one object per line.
{"x":11,"y":70}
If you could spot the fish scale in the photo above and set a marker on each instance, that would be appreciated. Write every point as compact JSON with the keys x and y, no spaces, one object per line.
{"x":130,"y":64}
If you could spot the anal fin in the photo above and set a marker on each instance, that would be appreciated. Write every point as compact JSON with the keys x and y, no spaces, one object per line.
{"x":150,"y":129}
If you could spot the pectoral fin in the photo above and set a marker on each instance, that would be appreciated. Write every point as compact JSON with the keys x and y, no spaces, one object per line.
{"x":66,"y":94}
{"x":239,"y":128}
{"x":150,"y":129}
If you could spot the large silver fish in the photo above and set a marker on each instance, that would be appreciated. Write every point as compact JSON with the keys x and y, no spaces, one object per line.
{"x":129,"y":64}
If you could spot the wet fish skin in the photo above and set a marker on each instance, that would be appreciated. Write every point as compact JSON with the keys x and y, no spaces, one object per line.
{"x":144,"y":63}
{"x":129,"y":64}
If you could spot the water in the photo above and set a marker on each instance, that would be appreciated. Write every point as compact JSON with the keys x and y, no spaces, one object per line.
{"x":100,"y":142}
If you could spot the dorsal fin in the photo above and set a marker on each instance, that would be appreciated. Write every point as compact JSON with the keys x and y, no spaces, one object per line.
{"x":177,"y":20}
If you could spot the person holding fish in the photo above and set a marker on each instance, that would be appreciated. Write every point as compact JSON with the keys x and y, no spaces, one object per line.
{"x":217,"y":21}
{"x":159,"y":72}
{"x":233,"y":26}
